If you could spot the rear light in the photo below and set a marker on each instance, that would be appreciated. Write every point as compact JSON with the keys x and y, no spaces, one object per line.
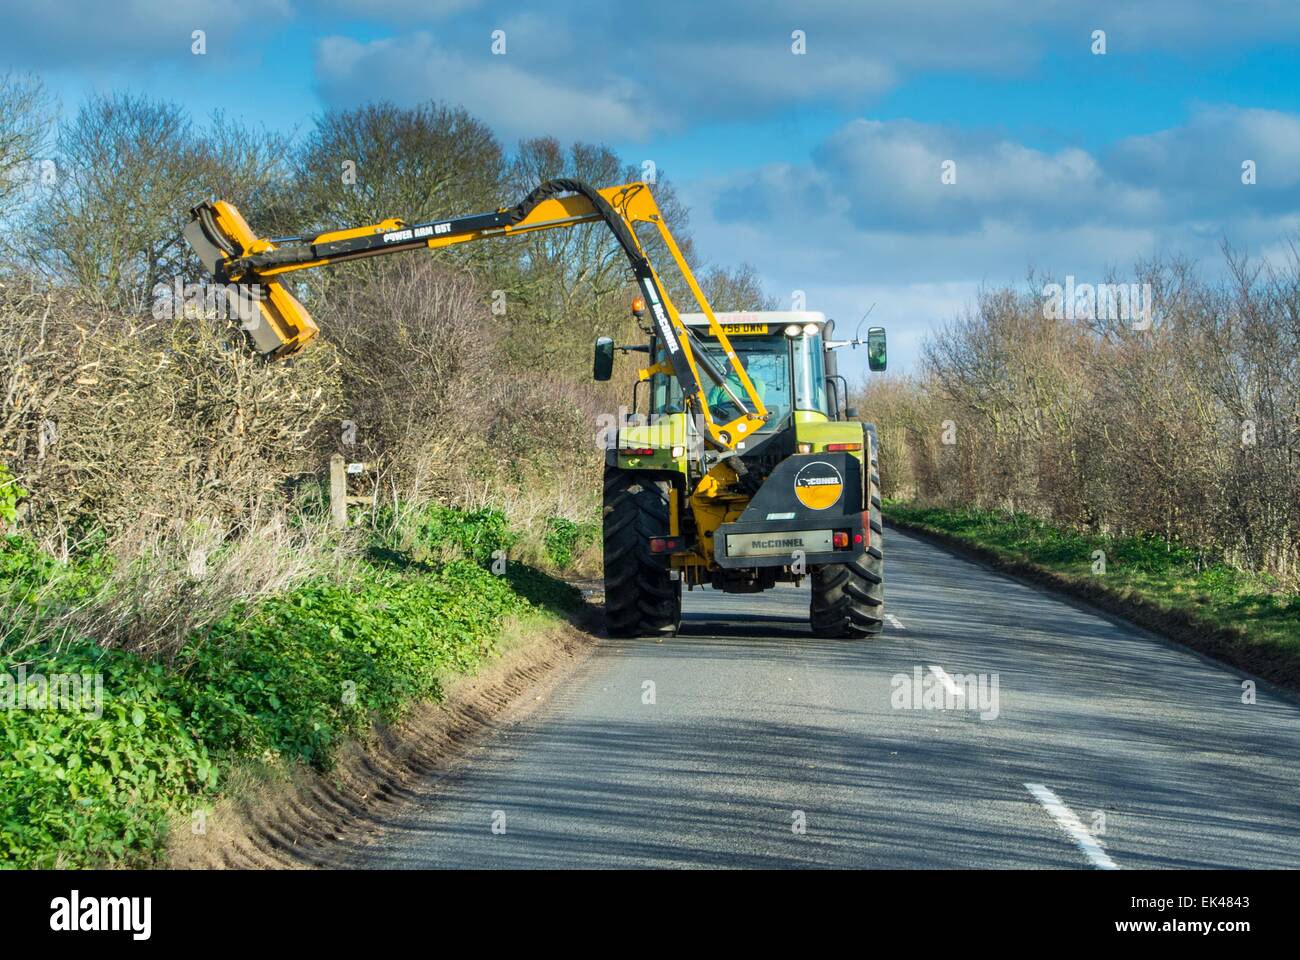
{"x":637,"y":451}
{"x":841,"y":539}
{"x":805,"y":448}
{"x":834,"y":447}
{"x":665,"y":544}
{"x":866,"y":529}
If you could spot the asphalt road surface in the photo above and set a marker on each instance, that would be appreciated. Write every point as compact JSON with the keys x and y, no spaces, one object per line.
{"x":745,"y":742}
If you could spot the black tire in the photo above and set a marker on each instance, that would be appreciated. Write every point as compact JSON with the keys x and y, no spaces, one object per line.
{"x":848,"y":599}
{"x":641,"y":597}
{"x":874,"y":460}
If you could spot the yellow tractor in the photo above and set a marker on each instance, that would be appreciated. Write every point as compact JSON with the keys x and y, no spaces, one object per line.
{"x":745,"y":469}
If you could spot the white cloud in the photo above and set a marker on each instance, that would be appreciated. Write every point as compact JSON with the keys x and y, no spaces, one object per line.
{"x":518,"y":102}
{"x":891,"y":176}
{"x":867,"y":218}
{"x":401,"y":11}
{"x":886,"y":176}
{"x":732,"y":59}
{"x":723,"y":75}
{"x":1207,"y":152}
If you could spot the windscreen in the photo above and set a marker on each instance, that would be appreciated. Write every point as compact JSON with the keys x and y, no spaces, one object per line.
{"x":766,"y":358}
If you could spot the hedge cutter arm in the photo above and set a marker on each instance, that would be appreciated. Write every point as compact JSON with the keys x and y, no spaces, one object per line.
{"x":280,"y":325}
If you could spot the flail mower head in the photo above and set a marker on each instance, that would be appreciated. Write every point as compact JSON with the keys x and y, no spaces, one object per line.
{"x":276,"y":322}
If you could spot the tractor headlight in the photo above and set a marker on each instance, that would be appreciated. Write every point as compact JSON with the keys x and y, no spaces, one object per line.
{"x":793,"y":330}
{"x":810,"y":329}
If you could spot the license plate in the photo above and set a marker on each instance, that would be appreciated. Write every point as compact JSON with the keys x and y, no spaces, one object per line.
{"x":778,"y":544}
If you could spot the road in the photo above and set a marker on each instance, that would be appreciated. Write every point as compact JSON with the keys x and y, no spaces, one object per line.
{"x":745,"y":742}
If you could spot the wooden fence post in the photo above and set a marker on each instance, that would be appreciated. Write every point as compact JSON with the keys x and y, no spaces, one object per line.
{"x":338,"y":491}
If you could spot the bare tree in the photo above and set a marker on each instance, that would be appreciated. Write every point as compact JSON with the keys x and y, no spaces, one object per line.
{"x":130,"y":169}
{"x":380,"y":160}
{"x":738,"y":288}
{"x":1187,"y":428}
{"x":24,"y":130}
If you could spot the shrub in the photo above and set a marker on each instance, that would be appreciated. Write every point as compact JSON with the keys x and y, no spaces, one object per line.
{"x":289,"y":677}
{"x":422,"y":534}
{"x":10,"y":493}
{"x":562,"y":539}
{"x":76,"y":789}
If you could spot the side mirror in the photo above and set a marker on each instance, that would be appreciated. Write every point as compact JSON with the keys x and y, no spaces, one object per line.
{"x":876,"y":358}
{"x":851,"y":413}
{"x":602,"y":366}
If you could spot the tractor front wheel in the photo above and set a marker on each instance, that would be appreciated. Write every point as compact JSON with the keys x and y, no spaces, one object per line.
{"x":848,"y":599}
{"x":641,"y":597}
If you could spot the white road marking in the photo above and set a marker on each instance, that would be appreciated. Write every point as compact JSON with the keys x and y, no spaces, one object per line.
{"x":948,"y":683}
{"x":895,"y":622}
{"x":1073,"y":827}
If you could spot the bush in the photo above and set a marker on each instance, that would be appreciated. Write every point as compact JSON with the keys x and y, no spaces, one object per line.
{"x":76,"y":789}
{"x":10,"y":493}
{"x":36,"y":589}
{"x":287,"y":677}
{"x":563,"y":539}
{"x":1182,"y":431}
{"x":424,"y":533}
{"x":107,"y":452}
{"x":307,"y":669}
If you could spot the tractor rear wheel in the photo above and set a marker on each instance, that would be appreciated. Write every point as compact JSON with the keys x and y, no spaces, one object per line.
{"x":848,"y":599}
{"x":641,"y":597}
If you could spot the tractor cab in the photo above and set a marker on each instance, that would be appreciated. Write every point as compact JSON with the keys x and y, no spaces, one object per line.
{"x":784,"y":354}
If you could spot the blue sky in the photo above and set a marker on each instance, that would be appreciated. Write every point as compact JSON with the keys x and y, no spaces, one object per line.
{"x":823,"y":169}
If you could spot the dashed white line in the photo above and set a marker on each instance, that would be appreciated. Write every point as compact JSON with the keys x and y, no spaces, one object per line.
{"x":948,"y":683}
{"x":1073,"y":827}
{"x":895,"y":622}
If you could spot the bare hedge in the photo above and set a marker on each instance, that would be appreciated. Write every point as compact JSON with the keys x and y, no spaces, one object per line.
{"x":116,"y":423}
{"x":1188,"y":429}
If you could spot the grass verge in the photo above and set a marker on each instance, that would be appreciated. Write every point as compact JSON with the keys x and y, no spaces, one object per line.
{"x":94,"y":781}
{"x":1244,"y":619}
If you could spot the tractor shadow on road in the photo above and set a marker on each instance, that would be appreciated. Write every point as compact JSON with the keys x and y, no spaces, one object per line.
{"x":750,"y":626}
